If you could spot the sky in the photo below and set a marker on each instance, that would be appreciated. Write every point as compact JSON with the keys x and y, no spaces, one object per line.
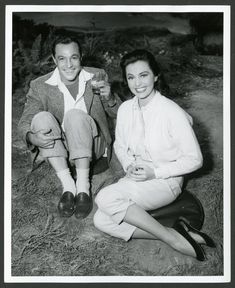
{"x":109,"y":20}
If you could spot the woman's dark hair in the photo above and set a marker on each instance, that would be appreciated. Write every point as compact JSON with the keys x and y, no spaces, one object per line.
{"x":144,"y":55}
{"x":65,"y":40}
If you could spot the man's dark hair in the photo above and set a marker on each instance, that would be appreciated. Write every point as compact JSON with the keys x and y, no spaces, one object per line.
{"x":65,"y":40}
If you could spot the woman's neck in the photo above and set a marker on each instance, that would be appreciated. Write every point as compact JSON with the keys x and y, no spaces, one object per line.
{"x":144,"y":101}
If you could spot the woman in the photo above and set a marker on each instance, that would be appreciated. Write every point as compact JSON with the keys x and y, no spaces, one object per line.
{"x":156,"y":146}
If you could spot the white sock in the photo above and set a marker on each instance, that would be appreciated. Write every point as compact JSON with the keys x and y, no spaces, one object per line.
{"x":67,"y":181}
{"x":83,"y":182}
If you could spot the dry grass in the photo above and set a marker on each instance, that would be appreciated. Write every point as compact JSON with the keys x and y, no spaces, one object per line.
{"x":43,"y":244}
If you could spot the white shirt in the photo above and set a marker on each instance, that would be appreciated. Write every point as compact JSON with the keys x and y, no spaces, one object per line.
{"x":169,"y":138}
{"x":69,"y":101}
{"x":137,"y":147}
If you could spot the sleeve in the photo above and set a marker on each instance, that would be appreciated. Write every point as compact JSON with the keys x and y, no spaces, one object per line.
{"x":120,"y":144}
{"x":181,"y":132}
{"x":111,"y":110}
{"x":32,"y":106}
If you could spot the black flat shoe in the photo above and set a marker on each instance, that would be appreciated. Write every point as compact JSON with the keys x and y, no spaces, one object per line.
{"x":83,"y":205}
{"x":66,"y":204}
{"x":200,"y":254}
{"x":208,"y":240}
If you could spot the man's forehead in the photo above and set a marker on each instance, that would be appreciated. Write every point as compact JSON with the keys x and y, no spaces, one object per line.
{"x":68,"y":47}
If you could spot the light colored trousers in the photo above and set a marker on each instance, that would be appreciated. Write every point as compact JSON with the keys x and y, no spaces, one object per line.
{"x":114,"y":200}
{"x":80,"y":137}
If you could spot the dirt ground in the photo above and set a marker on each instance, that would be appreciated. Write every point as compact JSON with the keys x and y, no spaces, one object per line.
{"x":43,"y":244}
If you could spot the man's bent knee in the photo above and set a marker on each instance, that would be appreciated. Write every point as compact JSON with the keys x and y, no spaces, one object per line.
{"x":43,"y":120}
{"x":75,"y":115}
{"x":80,"y":121}
{"x":40,"y":116}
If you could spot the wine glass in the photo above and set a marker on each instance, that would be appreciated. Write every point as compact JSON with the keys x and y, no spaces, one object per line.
{"x":97,"y":82}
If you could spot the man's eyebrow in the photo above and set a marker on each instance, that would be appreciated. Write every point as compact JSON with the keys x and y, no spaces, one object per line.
{"x":75,"y":54}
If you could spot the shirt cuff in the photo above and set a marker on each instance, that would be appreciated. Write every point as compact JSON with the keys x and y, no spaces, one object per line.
{"x":125,"y":164}
{"x":113,"y":104}
{"x":162,"y":173}
{"x":29,"y":145}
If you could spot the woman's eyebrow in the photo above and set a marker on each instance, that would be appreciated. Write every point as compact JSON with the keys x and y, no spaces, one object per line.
{"x":139,"y":73}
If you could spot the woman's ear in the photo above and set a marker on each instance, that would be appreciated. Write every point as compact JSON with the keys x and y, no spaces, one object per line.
{"x":155,"y":78}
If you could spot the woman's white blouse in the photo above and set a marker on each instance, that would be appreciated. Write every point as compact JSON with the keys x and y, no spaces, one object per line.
{"x":169,"y":138}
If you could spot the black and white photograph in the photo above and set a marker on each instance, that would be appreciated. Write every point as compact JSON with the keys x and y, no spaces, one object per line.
{"x":117,"y":140}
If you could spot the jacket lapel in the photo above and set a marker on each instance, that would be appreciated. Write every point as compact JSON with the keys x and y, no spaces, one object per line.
{"x":56,"y":102}
{"x":59,"y":105}
{"x":88,"y":96}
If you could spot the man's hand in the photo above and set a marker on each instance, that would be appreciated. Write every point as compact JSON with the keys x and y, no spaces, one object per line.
{"x":140,"y":172}
{"x":105,"y":92}
{"x":43,"y":138}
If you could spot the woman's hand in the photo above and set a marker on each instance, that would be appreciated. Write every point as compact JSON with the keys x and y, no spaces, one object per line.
{"x":140,"y":172}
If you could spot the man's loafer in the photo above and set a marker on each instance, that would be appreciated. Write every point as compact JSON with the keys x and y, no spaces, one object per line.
{"x":83,"y":205}
{"x":66,"y":204}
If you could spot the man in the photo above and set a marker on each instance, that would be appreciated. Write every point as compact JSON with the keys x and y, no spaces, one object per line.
{"x":64,"y":121}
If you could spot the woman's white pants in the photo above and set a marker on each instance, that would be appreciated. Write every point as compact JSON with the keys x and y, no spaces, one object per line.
{"x":114,"y":200}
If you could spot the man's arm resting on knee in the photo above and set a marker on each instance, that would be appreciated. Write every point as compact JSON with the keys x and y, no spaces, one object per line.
{"x":29,"y":142}
{"x":32,"y":106}
{"x":42,"y":138}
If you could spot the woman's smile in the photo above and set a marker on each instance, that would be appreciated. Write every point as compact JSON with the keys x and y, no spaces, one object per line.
{"x":140,"y":90}
{"x":141,"y":81}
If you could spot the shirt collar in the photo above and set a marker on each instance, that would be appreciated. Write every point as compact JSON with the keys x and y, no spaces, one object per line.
{"x":85,"y":76}
{"x":55,"y":79}
{"x":150,"y":104}
{"x":136,"y":103}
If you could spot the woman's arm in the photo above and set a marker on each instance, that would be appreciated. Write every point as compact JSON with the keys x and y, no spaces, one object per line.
{"x":181,"y":132}
{"x":121,"y":137}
